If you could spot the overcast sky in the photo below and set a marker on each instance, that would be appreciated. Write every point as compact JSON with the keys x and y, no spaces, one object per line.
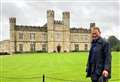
{"x":105,"y":13}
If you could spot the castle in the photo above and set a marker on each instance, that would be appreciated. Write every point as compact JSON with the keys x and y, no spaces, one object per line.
{"x":54,"y":36}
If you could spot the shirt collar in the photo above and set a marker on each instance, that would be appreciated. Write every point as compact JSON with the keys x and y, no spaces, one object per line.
{"x":99,"y":40}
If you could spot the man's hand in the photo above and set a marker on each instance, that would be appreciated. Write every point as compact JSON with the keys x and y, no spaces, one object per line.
{"x":105,"y":73}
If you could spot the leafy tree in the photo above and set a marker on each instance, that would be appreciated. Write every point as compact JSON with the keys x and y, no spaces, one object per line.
{"x":115,"y":43}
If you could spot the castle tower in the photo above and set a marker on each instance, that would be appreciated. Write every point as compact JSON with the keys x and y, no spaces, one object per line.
{"x":92,"y":25}
{"x":66,"y":35}
{"x":50,"y":29}
{"x":66,"y":19}
{"x":12,"y":22}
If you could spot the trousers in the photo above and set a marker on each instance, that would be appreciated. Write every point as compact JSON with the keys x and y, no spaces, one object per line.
{"x":100,"y":79}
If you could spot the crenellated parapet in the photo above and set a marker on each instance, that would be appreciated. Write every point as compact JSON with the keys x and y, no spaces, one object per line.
{"x":79,"y":30}
{"x":30,"y":28}
{"x":12,"y":19}
{"x":58,"y":22}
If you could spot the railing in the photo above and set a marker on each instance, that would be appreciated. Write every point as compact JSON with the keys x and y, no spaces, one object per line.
{"x":44,"y":78}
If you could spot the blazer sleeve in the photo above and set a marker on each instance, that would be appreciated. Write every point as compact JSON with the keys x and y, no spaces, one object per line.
{"x":108,"y":57}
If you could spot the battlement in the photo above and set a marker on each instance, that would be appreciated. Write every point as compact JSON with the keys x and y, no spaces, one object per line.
{"x":12,"y":19}
{"x":58,"y":22}
{"x":50,"y":13}
{"x":66,"y":14}
{"x":79,"y":30}
{"x":50,"y":10}
{"x":30,"y":28}
{"x":92,"y":25}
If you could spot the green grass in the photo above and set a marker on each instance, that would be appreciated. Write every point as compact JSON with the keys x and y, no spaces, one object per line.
{"x":57,"y":67}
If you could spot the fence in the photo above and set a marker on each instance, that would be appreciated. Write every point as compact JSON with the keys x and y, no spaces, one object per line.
{"x":43,"y":77}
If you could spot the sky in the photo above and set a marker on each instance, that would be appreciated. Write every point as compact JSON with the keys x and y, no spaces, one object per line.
{"x":105,"y":13}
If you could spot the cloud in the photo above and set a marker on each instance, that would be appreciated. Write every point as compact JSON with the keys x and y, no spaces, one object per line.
{"x":33,"y":12}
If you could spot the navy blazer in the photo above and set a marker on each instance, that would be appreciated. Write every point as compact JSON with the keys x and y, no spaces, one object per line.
{"x":102,"y":57}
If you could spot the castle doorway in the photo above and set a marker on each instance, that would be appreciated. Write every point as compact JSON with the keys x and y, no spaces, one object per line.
{"x":58,"y":48}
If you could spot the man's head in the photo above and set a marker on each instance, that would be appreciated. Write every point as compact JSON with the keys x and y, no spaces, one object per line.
{"x":95,"y":33}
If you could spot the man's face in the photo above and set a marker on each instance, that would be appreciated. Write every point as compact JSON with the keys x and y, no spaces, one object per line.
{"x":95,"y":34}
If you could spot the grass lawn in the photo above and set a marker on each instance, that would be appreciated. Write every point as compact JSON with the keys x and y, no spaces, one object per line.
{"x":57,"y":67}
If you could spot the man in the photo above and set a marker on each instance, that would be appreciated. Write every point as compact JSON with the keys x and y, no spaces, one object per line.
{"x":99,"y":60}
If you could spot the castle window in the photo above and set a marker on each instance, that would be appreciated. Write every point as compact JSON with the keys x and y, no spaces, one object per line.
{"x":75,"y":37}
{"x":58,"y":36}
{"x":32,"y":36}
{"x":86,"y":46}
{"x":44,"y":47}
{"x":21,"y":36}
{"x":32,"y":46}
{"x":86,"y":37}
{"x":20,"y":47}
{"x":76,"y":47}
{"x":44,"y":36}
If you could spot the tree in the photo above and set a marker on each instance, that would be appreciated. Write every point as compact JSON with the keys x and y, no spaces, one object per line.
{"x":115,"y":43}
